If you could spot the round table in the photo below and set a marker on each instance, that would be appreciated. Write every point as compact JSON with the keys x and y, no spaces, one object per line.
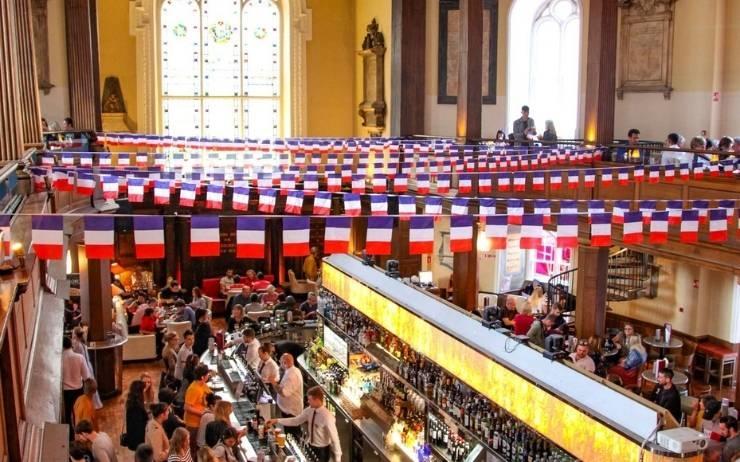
{"x":662,"y":344}
{"x":679,"y":378}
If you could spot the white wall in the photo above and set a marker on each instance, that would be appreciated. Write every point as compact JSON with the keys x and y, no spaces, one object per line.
{"x":55,"y":105}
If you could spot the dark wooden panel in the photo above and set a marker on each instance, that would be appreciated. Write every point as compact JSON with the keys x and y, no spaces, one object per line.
{"x":82,"y":63}
{"x":601,"y":62}
{"x":591,"y":290}
{"x":471,"y":62}
{"x":11,"y":144}
{"x":413,"y":60}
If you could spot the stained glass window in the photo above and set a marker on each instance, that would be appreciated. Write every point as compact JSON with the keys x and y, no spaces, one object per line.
{"x":220,"y":74}
{"x":544,"y":62}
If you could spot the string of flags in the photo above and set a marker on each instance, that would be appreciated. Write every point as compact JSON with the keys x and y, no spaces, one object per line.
{"x":149,"y":231}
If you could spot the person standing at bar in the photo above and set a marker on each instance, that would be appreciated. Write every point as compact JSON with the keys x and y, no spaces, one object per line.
{"x":268,"y":369}
{"x":74,"y":373}
{"x":290,"y":392}
{"x":322,"y":427}
{"x":195,"y":401}
{"x":311,"y":265}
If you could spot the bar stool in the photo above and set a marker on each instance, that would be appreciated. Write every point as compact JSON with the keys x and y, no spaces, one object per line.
{"x":715,"y":361}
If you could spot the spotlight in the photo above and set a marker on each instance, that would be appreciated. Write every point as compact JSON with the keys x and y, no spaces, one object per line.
{"x":554,"y":348}
{"x":392,"y":269}
{"x":492,"y":317}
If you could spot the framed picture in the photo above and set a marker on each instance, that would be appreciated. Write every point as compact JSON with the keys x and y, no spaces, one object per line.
{"x":449,"y":51}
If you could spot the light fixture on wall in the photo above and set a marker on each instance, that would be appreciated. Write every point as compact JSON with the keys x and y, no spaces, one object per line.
{"x":482,"y":243}
{"x":69,"y":261}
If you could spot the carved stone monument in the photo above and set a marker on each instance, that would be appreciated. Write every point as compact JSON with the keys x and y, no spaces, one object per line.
{"x":646,"y":47}
{"x":373,"y":107}
{"x":115,"y":117}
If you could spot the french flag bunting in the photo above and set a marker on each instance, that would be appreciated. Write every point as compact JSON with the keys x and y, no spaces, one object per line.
{"x":333,"y":182}
{"x":294,"y":202}
{"x":639,"y":173}
{"x":717,"y":225}
{"x":619,"y":208}
{"x":568,"y":206}
{"x":698,"y":171}
{"x":250,"y":237}
{"x":361,"y":169}
{"x":459,"y":206}
{"x":683,"y":171}
{"x":136,"y":190}
{"x":61,"y":179}
{"x":623,"y":176}
{"x":85,"y":184}
{"x":689,"y":226}
{"x":378,"y":204}
{"x":461,"y":233}
{"x":674,"y":209}
{"x":589,"y":178}
{"x":647,"y":207}
{"x":606,"y":178}
{"x":5,"y":229}
{"x":659,"y":227}
{"x":110,"y":187}
{"x":47,"y":160}
{"x":39,"y":179}
{"x":514,"y":210}
{"x":322,"y":203}
{"x":669,"y":173}
{"x":421,"y":235}
{"x":160,"y":160}
{"x":632,"y":228}
{"x":296,"y":236}
{"x":287,"y":183}
{"x":601,"y":230}
{"x":161,"y":192}
{"x":485,"y":183}
{"x":142,"y":159}
{"x":406,"y":168}
{"x":465,"y":183}
{"x":497,"y":231}
{"x":504,"y":182}
{"x":422,"y":183}
{"x":267,"y":200}
{"x":487,"y":207}
{"x":104,"y":159}
{"x":346,"y":173}
{"x":379,"y":183}
{"x":542,"y":207}
{"x":47,"y":236}
{"x":310,"y":184}
{"x":701,"y":206}
{"x":336,"y":234}
{"x":714,"y":169}
{"x":188,"y":191}
{"x":86,"y":159}
{"x":520,"y":181}
{"x":205,"y":238}
{"x":358,"y":184}
{"x":124,"y":159}
{"x":240,"y":198}
{"x":352,"y":206}
{"x":531,"y":233}
{"x":729,"y":206}
{"x":379,"y":235}
{"x":596,"y":206}
{"x":654,"y":174}
{"x":433,"y":205}
{"x":567,"y":231}
{"x":573,"y":179}
{"x":264,"y":180}
{"x":401,"y":183}
{"x":443,"y":183}
{"x":214,"y":196}
{"x":406,"y":206}
{"x":149,"y":236}
{"x":538,"y":181}
{"x":556,"y":180}
{"x":68,"y":159}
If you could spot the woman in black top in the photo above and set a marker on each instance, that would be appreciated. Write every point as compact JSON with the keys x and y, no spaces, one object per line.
{"x":202,"y":332}
{"x":136,"y":415}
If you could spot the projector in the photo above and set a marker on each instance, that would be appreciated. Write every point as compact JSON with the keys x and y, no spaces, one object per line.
{"x":682,"y":440}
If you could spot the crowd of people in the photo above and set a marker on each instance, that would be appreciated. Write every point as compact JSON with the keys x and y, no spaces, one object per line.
{"x":634,"y":152}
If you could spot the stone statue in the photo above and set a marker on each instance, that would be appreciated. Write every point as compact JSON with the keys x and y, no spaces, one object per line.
{"x":374,"y":37}
{"x":112,"y":96}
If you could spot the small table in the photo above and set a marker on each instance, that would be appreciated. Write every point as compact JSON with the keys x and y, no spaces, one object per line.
{"x":662,"y":344}
{"x":679,"y":378}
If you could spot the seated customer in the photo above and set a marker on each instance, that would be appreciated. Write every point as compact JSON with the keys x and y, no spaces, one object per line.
{"x":537,"y":332}
{"x":241,"y":298}
{"x":226,"y":282}
{"x":666,"y":395}
{"x":171,"y":293}
{"x":629,"y":366}
{"x":309,"y":308}
{"x":198,"y":300}
{"x":253,"y":304}
{"x":270,"y":297}
{"x":621,"y":339}
{"x":705,"y":415}
{"x":261,"y":284}
{"x":509,"y":312}
{"x":731,"y":438}
{"x":523,"y":321}
{"x":202,"y":332}
{"x":184,"y":313}
{"x":581,"y":358}
{"x":238,"y":321}
{"x":148,"y":322}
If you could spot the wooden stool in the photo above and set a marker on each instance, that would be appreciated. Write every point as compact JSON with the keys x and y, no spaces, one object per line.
{"x":715,"y":361}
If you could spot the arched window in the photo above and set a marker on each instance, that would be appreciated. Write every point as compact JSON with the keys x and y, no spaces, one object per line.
{"x":544,"y":54}
{"x":221,"y":68}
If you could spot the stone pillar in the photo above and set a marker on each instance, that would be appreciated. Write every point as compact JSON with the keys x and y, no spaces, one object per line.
{"x":95,"y":295}
{"x":469,"y":91}
{"x":29,"y":105}
{"x":11,"y":138}
{"x":411,"y":34}
{"x":465,"y":276}
{"x":593,"y":264}
{"x":82,"y":63}
{"x":601,"y":64}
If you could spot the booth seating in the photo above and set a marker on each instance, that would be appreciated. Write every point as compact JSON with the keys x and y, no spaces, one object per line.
{"x":299,"y":286}
{"x":211,"y":288}
{"x":715,"y":361}
{"x":140,"y":347}
{"x":179,"y":328}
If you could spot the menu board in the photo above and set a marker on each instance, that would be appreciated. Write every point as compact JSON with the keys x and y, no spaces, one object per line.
{"x":336,"y":346}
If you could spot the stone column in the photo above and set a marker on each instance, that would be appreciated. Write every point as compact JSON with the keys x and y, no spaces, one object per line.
{"x":11,"y":138}
{"x":82,"y":63}
{"x":593,"y":265}
{"x":469,"y":91}
{"x":29,"y":105}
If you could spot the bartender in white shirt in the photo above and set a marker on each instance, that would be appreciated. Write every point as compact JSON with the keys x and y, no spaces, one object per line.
{"x":248,"y":347}
{"x":290,"y":392}
{"x":268,"y":369}
{"x":322,"y":427}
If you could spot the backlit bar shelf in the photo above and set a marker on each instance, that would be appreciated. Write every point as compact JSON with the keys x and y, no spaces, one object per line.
{"x":581,"y":415}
